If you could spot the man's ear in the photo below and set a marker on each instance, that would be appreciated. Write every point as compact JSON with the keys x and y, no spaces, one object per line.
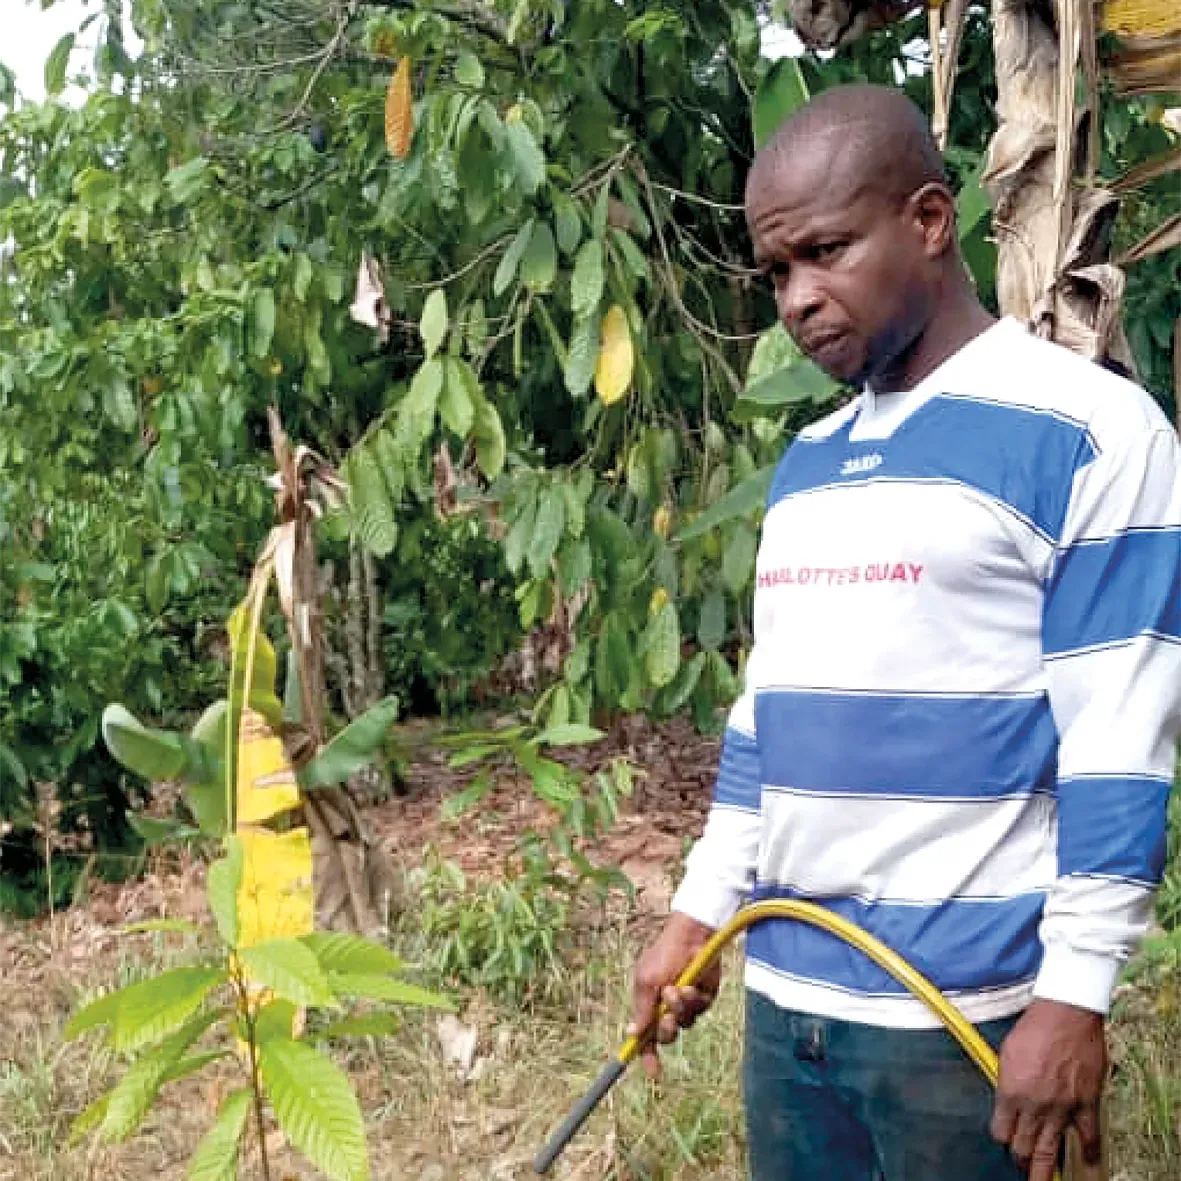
{"x":933,"y":209}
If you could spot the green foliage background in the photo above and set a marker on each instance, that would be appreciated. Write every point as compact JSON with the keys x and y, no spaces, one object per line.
{"x":183,"y":245}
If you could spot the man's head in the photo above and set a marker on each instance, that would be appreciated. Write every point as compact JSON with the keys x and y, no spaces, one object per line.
{"x":852,"y":219}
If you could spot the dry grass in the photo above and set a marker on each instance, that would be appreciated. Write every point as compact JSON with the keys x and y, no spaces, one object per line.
{"x":430,"y":1120}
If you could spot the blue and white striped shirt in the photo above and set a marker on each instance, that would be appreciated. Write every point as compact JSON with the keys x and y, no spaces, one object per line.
{"x":962,"y":706}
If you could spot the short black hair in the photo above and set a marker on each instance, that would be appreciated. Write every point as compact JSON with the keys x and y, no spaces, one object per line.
{"x":874,"y":137}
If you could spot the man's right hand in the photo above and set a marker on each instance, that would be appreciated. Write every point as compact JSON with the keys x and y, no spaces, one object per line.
{"x":658,"y":968}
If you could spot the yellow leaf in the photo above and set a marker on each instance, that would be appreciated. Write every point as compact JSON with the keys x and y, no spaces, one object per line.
{"x":275,"y":898}
{"x":1142,"y":18}
{"x":617,"y":357}
{"x":659,"y":598}
{"x":662,"y":520}
{"x":399,"y":111}
{"x":266,"y":782}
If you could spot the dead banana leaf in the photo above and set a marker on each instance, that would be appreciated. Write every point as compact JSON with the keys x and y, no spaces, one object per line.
{"x":617,"y":357}
{"x":1146,"y":65}
{"x":1158,"y":166}
{"x":1165,"y":237}
{"x":399,"y":111}
{"x":266,"y":782}
{"x":1142,"y":18}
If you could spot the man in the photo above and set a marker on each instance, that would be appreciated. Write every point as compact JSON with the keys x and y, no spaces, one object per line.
{"x":961,"y":708}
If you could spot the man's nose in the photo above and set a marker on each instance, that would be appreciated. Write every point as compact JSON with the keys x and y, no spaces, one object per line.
{"x":798,"y":297}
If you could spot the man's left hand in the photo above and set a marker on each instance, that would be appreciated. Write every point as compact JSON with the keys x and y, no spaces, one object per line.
{"x":1053,"y":1065}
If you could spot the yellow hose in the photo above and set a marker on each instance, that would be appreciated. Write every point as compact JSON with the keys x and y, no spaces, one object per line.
{"x":818,"y":916}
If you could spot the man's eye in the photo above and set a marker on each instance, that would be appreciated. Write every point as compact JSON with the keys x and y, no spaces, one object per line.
{"x":827,"y":251}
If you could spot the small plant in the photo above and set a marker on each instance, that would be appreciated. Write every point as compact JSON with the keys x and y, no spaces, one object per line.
{"x":250,"y":998}
{"x":509,"y":936}
{"x":586,"y":806}
{"x":248,"y":1004}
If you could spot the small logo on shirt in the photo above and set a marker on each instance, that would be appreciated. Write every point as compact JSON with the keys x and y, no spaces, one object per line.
{"x":861,"y":463}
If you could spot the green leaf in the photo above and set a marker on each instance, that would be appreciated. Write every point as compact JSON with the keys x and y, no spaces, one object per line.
{"x":738,"y":559}
{"x":586,"y":283}
{"x":368,"y":1025}
{"x":567,"y":223}
{"x":119,"y":404}
{"x":711,"y":624}
{"x":570,"y":734}
{"x":216,"y":1158}
{"x":154,"y":754}
{"x":155,"y":832}
{"x":743,"y":500}
{"x":262,"y":321}
{"x":153,"y":1008}
{"x":780,"y":94}
{"x":488,"y":439}
{"x":416,"y":411}
{"x":433,"y":324}
{"x":527,"y":156}
{"x":539,"y":263}
{"x":100,"y":1011}
{"x":374,"y":513}
{"x":681,"y":688}
{"x":456,"y":805}
{"x":774,"y":350}
{"x":302,"y":279}
{"x":57,"y":62}
{"x":547,"y":531}
{"x":222,"y":881}
{"x":185,"y":181}
{"x":89,"y":1119}
{"x":385,"y":988}
{"x":469,"y":71}
{"x":11,"y":768}
{"x":161,"y":926}
{"x":510,"y":260}
{"x":148,"y":1010}
{"x":288,"y":967}
{"x":582,"y":355}
{"x":457,"y":406}
{"x":338,"y":951}
{"x":351,"y":749}
{"x":972,"y":206}
{"x":275,"y":1019}
{"x":192,"y":1063}
{"x":130,"y":1100}
{"x":613,"y":659}
{"x":315,"y":1107}
{"x":800,"y":382}
{"x":662,"y":646}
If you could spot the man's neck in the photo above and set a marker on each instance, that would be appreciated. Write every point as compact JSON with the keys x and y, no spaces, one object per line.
{"x":959,"y":318}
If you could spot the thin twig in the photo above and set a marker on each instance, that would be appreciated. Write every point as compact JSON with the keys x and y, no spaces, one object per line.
{"x":724,"y":206}
{"x":699,"y":329}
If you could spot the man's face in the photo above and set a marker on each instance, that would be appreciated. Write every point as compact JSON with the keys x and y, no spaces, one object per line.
{"x":847,"y":265}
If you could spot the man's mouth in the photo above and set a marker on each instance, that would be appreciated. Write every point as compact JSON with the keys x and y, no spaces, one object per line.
{"x":821,"y":346}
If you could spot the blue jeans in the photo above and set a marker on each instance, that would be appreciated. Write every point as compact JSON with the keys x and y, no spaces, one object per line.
{"x":837,"y":1101}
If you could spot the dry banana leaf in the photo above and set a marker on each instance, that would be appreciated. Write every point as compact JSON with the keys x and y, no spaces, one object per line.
{"x":1146,"y":65}
{"x":1150,"y":170}
{"x":1165,"y":237}
{"x":399,"y":111}
{"x":1142,"y":18}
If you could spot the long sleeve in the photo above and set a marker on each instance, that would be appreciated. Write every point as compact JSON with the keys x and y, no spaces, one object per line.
{"x":1111,"y":642}
{"x":720,"y":869}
